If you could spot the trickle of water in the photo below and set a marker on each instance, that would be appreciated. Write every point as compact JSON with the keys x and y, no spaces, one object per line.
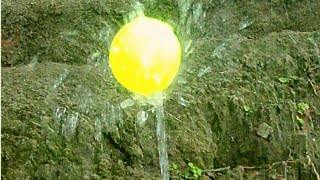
{"x":198,"y":15}
{"x":184,"y":6}
{"x":142,"y":116}
{"x":315,"y":48}
{"x":59,"y":114}
{"x":188,"y":50}
{"x":69,"y":125}
{"x":137,"y":11}
{"x":162,"y":141}
{"x":217,"y":52}
{"x":97,"y":125}
{"x":34,"y":61}
{"x":60,"y":111}
{"x":83,"y":97}
{"x":116,"y":115}
{"x":62,"y":77}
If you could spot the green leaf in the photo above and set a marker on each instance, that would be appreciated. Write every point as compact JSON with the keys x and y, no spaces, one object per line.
{"x":199,"y":171}
{"x":284,"y":80}
{"x":186,"y":175}
{"x":174,"y":166}
{"x":300,"y":121}
{"x":246,"y":108}
{"x":190,"y":164}
{"x":302,"y":107}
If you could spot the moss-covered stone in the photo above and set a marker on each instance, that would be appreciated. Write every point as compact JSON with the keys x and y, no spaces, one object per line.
{"x":61,"y":113}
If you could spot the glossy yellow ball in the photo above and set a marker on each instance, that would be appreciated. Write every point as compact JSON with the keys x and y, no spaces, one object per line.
{"x":145,"y":56}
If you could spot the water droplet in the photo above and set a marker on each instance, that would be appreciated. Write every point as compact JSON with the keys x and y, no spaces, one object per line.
{"x":126,"y":103}
{"x":244,"y":24}
{"x":182,"y":81}
{"x":204,"y":70}
{"x":60,"y":111}
{"x":217,"y":52}
{"x":142,"y":116}
{"x":183,"y":102}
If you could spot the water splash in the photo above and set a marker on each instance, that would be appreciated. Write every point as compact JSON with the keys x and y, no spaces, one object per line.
{"x":60,"y":111}
{"x":182,"y":101}
{"x":69,"y":125}
{"x":62,"y":77}
{"x":142,"y":117}
{"x":109,"y":116}
{"x":217,"y":52}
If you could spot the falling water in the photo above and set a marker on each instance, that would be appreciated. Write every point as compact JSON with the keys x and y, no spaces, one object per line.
{"x":162,"y":140}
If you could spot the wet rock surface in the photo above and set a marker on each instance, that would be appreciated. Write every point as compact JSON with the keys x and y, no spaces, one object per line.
{"x":232,"y":111}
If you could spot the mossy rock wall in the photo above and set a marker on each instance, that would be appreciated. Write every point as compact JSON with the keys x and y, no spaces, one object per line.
{"x":234,"y":103}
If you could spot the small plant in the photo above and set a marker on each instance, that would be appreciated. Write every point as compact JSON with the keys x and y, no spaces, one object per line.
{"x":194,"y":172}
{"x":301,"y":108}
{"x":284,"y":80}
{"x":300,"y":121}
{"x":173,"y":167}
{"x":247,"y":110}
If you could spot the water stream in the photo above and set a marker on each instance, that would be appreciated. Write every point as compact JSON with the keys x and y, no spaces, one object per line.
{"x":162,"y":140}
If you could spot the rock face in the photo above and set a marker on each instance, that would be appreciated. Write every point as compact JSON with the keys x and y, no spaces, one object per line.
{"x":233,"y":106}
{"x":264,"y":130}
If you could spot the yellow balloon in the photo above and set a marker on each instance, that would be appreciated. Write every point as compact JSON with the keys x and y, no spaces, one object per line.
{"x":145,"y":55}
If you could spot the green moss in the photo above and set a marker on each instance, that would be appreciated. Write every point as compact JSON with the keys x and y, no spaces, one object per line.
{"x":60,"y":105}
